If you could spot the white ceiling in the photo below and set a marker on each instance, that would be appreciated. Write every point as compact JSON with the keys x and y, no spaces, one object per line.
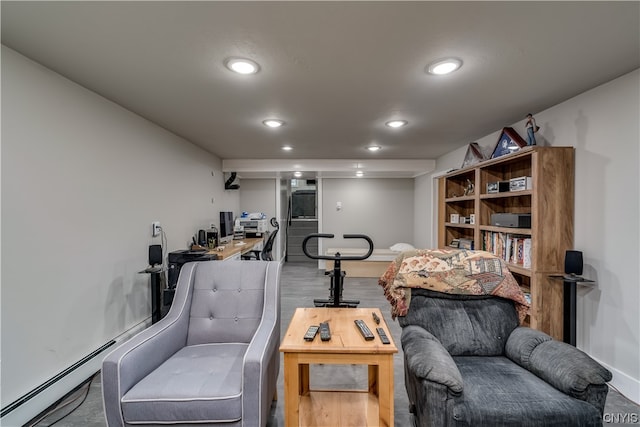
{"x":335,"y":72}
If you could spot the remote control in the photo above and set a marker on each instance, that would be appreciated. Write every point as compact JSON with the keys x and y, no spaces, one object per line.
{"x":311,"y":332}
{"x":325,"y":332}
{"x":364,"y":329}
{"x":383,"y":336}
{"x":376,"y":318}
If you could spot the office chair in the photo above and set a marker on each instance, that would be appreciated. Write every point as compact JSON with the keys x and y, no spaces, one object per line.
{"x":265,"y":253}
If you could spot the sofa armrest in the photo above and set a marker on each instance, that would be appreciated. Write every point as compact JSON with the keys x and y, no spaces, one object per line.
{"x":427,"y":359}
{"x":565,"y":367}
{"x":262,"y":358}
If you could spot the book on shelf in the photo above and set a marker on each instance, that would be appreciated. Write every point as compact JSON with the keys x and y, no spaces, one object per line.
{"x":462,"y":243}
{"x":466,"y":244}
{"x":526,"y":253}
{"x":512,"y":248}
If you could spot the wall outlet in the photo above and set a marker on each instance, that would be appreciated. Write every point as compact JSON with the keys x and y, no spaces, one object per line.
{"x":155,"y":228}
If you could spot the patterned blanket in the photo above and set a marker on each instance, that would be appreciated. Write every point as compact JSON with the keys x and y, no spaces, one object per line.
{"x":452,"y":271}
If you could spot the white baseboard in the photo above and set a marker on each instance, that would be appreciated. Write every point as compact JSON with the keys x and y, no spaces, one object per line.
{"x":47,"y":397}
{"x":628,"y":386}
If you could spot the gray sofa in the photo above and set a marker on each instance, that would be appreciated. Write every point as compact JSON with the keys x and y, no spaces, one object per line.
{"x":468,"y":363}
{"x":212,"y":361}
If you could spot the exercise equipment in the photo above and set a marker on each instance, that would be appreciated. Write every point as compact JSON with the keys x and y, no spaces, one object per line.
{"x":337,"y":275}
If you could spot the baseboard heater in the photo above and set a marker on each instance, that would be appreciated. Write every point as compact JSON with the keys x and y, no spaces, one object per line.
{"x":21,"y":400}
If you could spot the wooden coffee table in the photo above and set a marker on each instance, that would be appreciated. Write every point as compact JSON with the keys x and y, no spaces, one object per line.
{"x":305,"y":407}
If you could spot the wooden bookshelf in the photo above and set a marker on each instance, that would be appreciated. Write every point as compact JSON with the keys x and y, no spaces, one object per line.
{"x":550,"y":201}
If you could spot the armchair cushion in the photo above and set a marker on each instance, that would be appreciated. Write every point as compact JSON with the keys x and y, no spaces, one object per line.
{"x":188,"y":386}
{"x":482,"y":323}
{"x":227,"y":304}
{"x":493,"y":398}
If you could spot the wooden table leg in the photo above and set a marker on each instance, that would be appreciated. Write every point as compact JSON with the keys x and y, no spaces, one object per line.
{"x":303,"y":375}
{"x":373,"y":379}
{"x":292,"y":387}
{"x":385,"y":390}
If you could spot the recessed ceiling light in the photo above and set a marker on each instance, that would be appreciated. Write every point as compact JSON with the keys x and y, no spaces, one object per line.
{"x":297,"y":174}
{"x":444,"y":66}
{"x":287,"y":147}
{"x":273,"y":123}
{"x":396,"y":123}
{"x":242,"y":65}
{"x":359,"y":173}
{"x":373,"y":147}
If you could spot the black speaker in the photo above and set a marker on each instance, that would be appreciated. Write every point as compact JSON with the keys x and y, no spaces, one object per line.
{"x":155,"y":255}
{"x":573,"y":263}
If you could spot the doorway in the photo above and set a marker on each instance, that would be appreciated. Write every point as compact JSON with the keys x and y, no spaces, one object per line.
{"x":302,"y":218}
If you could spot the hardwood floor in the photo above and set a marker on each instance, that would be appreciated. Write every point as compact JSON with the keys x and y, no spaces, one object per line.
{"x":302,"y":282}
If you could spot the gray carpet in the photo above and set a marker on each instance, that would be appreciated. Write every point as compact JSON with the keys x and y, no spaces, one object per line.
{"x":301,"y":283}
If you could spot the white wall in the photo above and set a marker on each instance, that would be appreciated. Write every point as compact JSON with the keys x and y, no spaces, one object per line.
{"x":380,"y":208}
{"x":602,"y":124}
{"x":258,"y":195}
{"x":82,"y":180}
{"x":423,"y":212}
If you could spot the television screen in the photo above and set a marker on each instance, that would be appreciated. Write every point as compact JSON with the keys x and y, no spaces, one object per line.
{"x":226,"y":226}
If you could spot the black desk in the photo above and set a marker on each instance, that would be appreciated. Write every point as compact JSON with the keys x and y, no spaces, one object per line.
{"x":570,"y":283}
{"x":156,"y":292}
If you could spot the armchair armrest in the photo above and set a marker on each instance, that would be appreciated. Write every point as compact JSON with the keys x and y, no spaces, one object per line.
{"x":427,"y":359}
{"x":565,"y":367}
{"x":522,"y":342}
{"x":134,"y":359}
{"x":262,"y":358}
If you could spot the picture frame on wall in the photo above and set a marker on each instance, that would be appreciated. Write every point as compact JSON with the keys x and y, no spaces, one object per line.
{"x":509,"y":142}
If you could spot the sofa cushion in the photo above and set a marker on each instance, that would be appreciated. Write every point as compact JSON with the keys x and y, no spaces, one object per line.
{"x":176,"y":390}
{"x":494,"y":395}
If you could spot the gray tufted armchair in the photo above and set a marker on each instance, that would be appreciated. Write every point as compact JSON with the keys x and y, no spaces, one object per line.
{"x":468,"y":363}
{"x":213,"y":360}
